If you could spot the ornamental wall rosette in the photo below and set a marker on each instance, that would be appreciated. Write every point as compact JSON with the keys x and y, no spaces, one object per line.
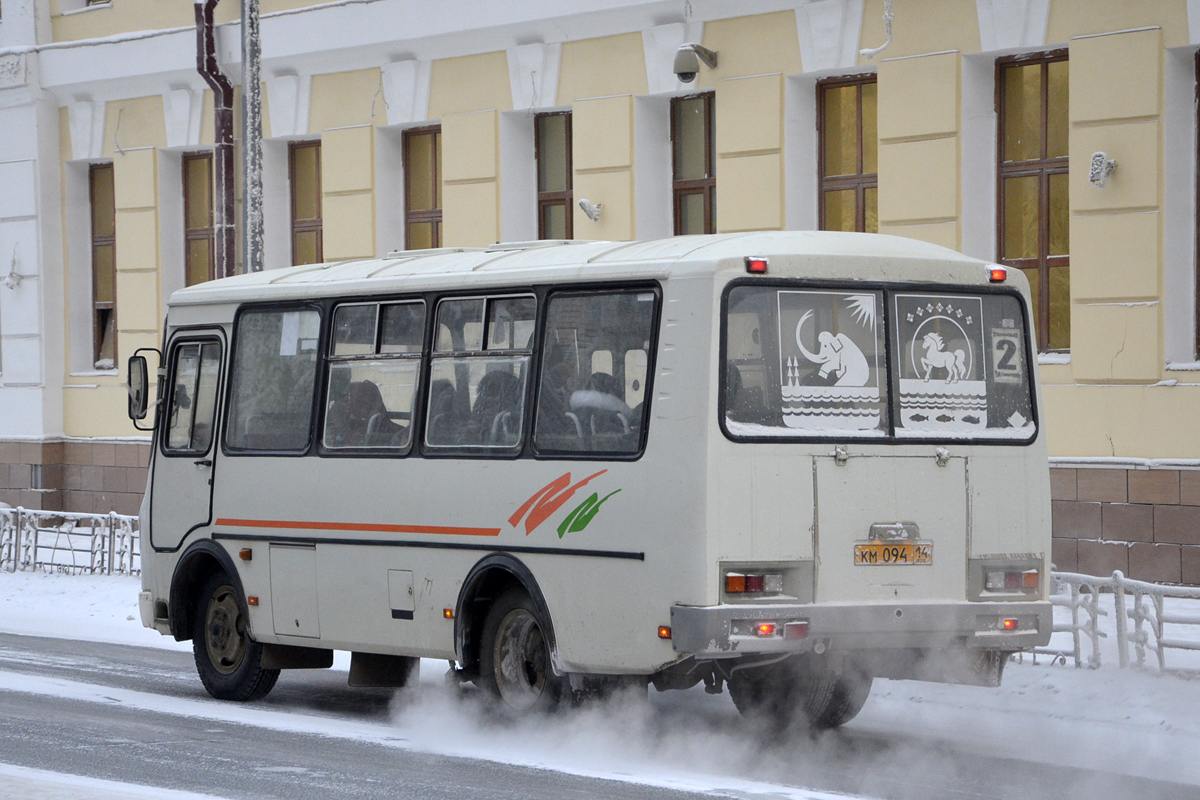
{"x":12,"y":71}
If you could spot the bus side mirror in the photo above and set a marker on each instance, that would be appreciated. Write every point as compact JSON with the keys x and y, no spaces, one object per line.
{"x":138,"y":385}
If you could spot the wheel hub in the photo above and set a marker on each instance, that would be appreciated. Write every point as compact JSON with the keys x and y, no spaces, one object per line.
{"x":520,"y":658}
{"x":225,"y":631}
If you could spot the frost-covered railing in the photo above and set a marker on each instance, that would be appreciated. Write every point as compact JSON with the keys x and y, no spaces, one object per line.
{"x":1081,"y":593}
{"x":58,"y":541}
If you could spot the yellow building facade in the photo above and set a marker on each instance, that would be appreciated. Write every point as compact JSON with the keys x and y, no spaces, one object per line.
{"x":945,"y":108}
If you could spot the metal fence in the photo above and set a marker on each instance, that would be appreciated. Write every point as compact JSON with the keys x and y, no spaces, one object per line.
{"x":57,"y":541}
{"x":1147,"y":611}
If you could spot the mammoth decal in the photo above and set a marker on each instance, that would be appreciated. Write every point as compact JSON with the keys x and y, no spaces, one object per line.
{"x":837,"y":354}
{"x":829,"y":370}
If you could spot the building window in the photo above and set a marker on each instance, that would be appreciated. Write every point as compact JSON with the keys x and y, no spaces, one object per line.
{"x":1034,"y":207}
{"x":553,"y":151}
{"x":304,"y":171}
{"x":423,"y":188}
{"x":849,"y":147}
{"x":198,"y":217}
{"x":104,"y":266}
{"x":693,"y":164}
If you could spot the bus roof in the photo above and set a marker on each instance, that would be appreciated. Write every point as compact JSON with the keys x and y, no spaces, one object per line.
{"x":547,"y":261}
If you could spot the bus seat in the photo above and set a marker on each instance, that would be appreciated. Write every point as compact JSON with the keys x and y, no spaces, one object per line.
{"x":496,"y":400}
{"x":363,"y":402}
{"x":442,"y":427}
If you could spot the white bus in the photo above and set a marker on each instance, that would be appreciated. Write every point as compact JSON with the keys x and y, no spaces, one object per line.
{"x":785,"y":462}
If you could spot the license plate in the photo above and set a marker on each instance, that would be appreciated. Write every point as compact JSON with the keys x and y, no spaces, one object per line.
{"x":900,"y":553}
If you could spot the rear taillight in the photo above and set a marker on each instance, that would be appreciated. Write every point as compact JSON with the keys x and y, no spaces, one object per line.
{"x":1011,"y":580}
{"x":757,"y":583}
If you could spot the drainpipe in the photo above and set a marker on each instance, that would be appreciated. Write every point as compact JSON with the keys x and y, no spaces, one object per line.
{"x":223,"y":206}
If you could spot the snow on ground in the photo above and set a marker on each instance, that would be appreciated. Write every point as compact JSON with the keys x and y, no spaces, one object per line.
{"x":20,"y":783}
{"x":1111,"y":720}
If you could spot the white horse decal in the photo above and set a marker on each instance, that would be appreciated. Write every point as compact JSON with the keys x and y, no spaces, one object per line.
{"x":954,"y":363}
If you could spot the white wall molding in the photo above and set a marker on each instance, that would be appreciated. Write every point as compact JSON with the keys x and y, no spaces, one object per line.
{"x":1009,"y":24}
{"x":86,"y":121}
{"x":288,"y":98}
{"x":406,"y":90}
{"x":829,"y":31}
{"x":660,"y":44}
{"x":533,"y":75}
{"x":182,"y":109}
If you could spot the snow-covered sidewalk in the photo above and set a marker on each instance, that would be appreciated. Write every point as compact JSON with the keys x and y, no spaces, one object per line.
{"x":1124,"y":721}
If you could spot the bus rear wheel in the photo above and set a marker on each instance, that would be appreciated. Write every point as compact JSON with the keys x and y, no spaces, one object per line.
{"x":228,"y":660}
{"x":514,"y":659}
{"x":801,"y":689}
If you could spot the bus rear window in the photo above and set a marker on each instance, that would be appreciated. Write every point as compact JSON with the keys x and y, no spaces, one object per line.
{"x":814,"y":363}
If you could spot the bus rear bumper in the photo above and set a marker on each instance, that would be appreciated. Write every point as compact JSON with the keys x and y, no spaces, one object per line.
{"x":733,"y":630}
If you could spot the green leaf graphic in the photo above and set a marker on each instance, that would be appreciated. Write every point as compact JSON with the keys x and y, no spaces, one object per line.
{"x":578,"y":519}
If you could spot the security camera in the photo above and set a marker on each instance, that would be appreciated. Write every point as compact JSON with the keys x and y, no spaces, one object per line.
{"x":688,"y":58}
{"x":592,"y":210}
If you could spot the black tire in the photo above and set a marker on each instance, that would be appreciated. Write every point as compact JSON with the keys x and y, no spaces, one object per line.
{"x":802,"y":689}
{"x":514,"y":657}
{"x":228,"y":660}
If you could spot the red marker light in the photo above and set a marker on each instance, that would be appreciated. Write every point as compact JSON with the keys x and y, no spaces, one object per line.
{"x":756,"y":266}
{"x":754,"y":583}
{"x":1009,"y":624}
{"x":997,"y":274}
{"x":664,"y":631}
{"x":765,"y":628}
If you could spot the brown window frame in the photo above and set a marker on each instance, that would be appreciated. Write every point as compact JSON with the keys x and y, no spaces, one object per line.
{"x":425,"y":215}
{"x":563,"y":198}
{"x":313,"y":224}
{"x":203,"y":233}
{"x":859,"y":181}
{"x":707,"y":187}
{"x":99,"y":320}
{"x":1041,"y":168}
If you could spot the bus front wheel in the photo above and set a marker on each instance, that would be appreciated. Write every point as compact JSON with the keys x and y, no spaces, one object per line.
{"x":800,"y":689}
{"x":228,"y":660}
{"x":514,"y":659}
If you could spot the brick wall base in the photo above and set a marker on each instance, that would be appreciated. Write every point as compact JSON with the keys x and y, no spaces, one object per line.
{"x":92,"y":477}
{"x":1145,"y":523}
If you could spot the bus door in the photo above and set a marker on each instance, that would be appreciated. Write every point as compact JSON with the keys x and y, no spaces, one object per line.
{"x":181,"y":493}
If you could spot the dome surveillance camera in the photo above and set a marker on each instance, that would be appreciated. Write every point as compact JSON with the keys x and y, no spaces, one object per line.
{"x":688,"y":58}
{"x":687,"y":64}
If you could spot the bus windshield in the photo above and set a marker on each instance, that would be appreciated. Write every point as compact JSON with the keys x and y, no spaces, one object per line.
{"x":875,"y":364}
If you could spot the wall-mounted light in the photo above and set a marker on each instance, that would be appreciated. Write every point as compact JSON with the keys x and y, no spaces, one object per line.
{"x":592,"y":210}
{"x":688,"y":58}
{"x":13,"y":279}
{"x":1102,"y":167}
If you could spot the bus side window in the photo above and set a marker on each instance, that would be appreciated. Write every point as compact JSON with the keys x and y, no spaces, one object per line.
{"x":595,"y":358}
{"x":273,"y":376}
{"x":193,"y":403}
{"x":374,"y":364}
{"x":478,"y":374}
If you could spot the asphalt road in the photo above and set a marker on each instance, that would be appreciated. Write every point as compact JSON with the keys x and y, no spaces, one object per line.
{"x":249,"y":760}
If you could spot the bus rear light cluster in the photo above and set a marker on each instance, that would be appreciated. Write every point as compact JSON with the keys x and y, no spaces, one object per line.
{"x":1010,"y":580}
{"x":767,"y":583}
{"x":771,"y":629}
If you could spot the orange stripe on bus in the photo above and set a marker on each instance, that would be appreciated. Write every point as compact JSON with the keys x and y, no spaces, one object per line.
{"x":359,"y":526}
